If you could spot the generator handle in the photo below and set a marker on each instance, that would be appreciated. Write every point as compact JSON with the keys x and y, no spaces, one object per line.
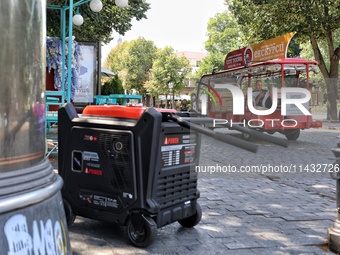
{"x":216,"y":135}
{"x":252,"y":132}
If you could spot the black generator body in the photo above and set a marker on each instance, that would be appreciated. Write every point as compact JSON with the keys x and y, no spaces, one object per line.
{"x":136,"y":170}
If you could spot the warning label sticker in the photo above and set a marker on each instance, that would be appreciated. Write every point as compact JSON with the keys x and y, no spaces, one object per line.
{"x":105,"y":201}
{"x":90,"y":156}
{"x":178,"y":149}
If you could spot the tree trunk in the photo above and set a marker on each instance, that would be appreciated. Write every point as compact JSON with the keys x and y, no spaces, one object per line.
{"x":153,"y":101}
{"x":173,"y":100}
{"x":332,"y":88}
{"x":147,"y":100}
{"x":166,"y":101}
{"x":332,"y":93}
{"x":330,"y":75}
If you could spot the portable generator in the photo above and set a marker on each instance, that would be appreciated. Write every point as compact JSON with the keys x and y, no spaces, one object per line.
{"x":135,"y":166}
{"x":128,"y":165}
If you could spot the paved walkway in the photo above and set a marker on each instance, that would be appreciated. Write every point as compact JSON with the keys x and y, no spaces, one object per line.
{"x":252,"y":213}
{"x":240,"y":216}
{"x":249,"y":213}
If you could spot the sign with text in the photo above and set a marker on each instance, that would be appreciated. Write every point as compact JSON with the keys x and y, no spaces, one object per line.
{"x":259,"y":52}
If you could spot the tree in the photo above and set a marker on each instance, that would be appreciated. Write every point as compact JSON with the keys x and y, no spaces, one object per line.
{"x":151,"y":89}
{"x":169,"y":72}
{"x":114,"y":59}
{"x":316,"y":21}
{"x":138,"y":62}
{"x":132,"y":62}
{"x":214,"y":61}
{"x":223,"y":34}
{"x":99,"y":26}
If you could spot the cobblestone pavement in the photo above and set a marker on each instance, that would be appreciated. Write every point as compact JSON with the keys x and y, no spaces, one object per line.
{"x":243,"y":212}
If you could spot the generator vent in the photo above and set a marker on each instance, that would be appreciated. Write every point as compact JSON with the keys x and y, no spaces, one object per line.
{"x":116,"y":154}
{"x":176,"y":188}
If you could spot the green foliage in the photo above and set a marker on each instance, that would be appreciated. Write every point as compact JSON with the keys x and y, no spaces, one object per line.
{"x":223,"y":34}
{"x":169,"y":70}
{"x":262,"y":20}
{"x":214,"y":61}
{"x":316,"y":21}
{"x":132,"y":62}
{"x":116,"y":55}
{"x":113,"y":86}
{"x":294,"y":49}
{"x":139,"y":60}
{"x":98,"y":26}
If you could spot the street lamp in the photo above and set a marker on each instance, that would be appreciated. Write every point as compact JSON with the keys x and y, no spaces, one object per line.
{"x":96,"y":6}
{"x":121,"y":3}
{"x":77,"y":20}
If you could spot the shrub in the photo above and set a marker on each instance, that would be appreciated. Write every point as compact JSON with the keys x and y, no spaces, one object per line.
{"x":113,"y":86}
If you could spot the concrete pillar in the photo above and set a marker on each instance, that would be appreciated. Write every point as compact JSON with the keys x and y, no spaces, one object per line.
{"x":31,"y":208}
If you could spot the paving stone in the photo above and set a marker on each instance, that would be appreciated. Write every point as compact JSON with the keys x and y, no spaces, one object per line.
{"x":242,"y":243}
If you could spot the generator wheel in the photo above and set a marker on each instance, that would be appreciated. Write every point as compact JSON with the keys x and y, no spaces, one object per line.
{"x":192,"y":220}
{"x":70,"y":216}
{"x":292,"y":134}
{"x":142,"y":235}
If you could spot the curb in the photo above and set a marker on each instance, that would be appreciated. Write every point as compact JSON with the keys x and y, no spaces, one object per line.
{"x":332,"y":125}
{"x":331,"y":128}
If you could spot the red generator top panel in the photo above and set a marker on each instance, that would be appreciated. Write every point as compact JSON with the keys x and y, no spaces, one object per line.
{"x":119,"y":111}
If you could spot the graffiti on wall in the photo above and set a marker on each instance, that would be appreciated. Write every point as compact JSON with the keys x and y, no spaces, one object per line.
{"x":45,"y":238}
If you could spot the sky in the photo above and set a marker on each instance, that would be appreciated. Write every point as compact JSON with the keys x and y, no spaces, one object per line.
{"x":181,"y":24}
